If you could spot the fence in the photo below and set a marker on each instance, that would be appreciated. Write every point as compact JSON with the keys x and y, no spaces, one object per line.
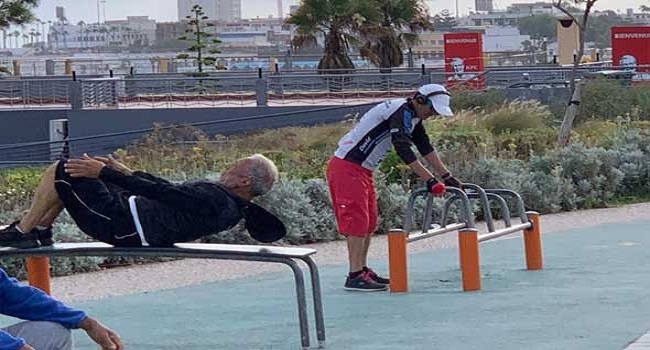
{"x":158,"y":63}
{"x":261,"y":89}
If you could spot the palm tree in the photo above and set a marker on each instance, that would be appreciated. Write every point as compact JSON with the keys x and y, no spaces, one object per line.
{"x":16,"y":12}
{"x":335,"y":21}
{"x":65,"y":36}
{"x":32,"y":34}
{"x":386,"y":40}
{"x":644,"y":8}
{"x":16,"y":35}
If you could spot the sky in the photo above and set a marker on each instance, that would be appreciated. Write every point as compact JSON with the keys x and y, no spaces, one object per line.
{"x":166,"y":10}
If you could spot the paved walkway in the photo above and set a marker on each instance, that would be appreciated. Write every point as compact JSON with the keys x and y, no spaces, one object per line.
{"x":592,"y":294}
{"x":643,"y":343}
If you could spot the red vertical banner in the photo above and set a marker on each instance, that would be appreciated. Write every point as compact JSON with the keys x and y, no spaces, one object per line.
{"x":464,"y":60}
{"x":631,"y":51}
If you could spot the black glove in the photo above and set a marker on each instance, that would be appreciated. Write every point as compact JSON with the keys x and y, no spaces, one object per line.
{"x":452,"y":181}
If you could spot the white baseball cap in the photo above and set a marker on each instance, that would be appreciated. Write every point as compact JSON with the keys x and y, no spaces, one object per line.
{"x":439,"y":97}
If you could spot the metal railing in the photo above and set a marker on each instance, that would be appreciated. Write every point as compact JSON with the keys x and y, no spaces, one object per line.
{"x":469,"y":237}
{"x":263,"y":89}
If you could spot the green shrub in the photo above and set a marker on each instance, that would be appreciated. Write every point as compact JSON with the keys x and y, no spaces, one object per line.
{"x":607,"y":99}
{"x":517,"y":116}
{"x":487,"y":100}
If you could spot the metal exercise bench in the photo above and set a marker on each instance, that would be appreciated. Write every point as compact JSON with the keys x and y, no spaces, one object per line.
{"x":271,"y":254}
{"x":468,"y":236}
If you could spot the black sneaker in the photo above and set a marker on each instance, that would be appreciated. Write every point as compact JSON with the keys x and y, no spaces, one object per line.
{"x":373,"y":275}
{"x":363,"y":283}
{"x":11,"y":237}
{"x":44,"y":236}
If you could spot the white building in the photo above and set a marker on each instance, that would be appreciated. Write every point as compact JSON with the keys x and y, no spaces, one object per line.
{"x":140,"y":30}
{"x":509,"y":17}
{"x":216,"y":10}
{"x":185,"y":8}
{"x":640,"y":18}
{"x":134,"y":31}
{"x":250,"y":25}
{"x":227,"y":10}
{"x":500,"y":39}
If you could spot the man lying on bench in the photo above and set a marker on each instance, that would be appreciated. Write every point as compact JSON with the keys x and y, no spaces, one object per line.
{"x":121,"y":207}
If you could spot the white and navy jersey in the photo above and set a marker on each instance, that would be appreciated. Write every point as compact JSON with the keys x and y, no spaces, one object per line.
{"x":391,"y":123}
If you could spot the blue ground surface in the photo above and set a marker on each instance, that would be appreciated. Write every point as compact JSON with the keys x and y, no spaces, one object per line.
{"x":592,"y":294}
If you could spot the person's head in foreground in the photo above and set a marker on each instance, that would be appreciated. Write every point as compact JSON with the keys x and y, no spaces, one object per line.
{"x":251,"y":176}
{"x":432,"y":99}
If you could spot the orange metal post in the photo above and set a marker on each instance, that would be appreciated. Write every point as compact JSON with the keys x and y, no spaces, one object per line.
{"x":397,"y":261}
{"x":533,"y":243}
{"x":469,"y":259}
{"x":38,"y":273}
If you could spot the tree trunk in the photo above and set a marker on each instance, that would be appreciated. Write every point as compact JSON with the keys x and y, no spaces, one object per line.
{"x":570,"y":115}
{"x":576,"y":88}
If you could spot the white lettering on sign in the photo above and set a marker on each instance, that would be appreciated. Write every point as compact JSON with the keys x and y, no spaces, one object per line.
{"x":632,"y":36}
{"x":462,"y":41}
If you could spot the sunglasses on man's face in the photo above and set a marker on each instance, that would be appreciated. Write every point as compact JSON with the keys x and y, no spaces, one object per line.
{"x":430,"y":104}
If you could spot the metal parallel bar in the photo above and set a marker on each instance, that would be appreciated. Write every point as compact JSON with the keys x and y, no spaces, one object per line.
{"x":504,"y":208}
{"x":410,"y":207}
{"x":428,"y":214}
{"x":318,"y":301}
{"x":485,"y":204}
{"x":420,"y":236}
{"x":171,"y":252}
{"x":504,"y":232}
{"x":457,"y":194}
{"x":445,"y":212}
{"x":521,"y":209}
{"x":465,"y":206}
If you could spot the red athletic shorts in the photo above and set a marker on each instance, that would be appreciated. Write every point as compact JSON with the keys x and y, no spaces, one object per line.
{"x":353,"y":197}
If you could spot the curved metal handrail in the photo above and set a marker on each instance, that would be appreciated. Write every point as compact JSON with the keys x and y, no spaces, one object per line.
{"x":504,"y":207}
{"x":456,"y":193}
{"x":485,"y":203}
{"x":521,"y":209}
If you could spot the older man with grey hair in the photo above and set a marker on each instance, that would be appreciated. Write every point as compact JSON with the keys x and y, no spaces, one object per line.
{"x":122,"y":207}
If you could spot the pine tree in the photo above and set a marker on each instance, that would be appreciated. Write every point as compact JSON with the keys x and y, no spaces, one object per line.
{"x":201,"y":41}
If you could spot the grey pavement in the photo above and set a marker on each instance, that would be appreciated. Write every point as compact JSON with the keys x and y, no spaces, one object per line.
{"x":592,"y":294}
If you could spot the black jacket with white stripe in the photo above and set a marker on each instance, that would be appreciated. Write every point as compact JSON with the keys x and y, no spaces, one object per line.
{"x":172,"y":213}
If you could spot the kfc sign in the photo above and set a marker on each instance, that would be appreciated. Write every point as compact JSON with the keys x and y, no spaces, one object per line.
{"x":631,"y":50}
{"x":464,"y":60}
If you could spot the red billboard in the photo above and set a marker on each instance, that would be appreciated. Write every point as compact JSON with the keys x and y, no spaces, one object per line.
{"x":464,"y":60}
{"x":631,"y":51}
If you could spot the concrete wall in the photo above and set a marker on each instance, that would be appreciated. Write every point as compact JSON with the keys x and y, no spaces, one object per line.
{"x":27,"y":125}
{"x":104,"y":131}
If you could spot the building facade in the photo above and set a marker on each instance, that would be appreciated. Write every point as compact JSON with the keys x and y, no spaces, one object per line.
{"x":185,"y":8}
{"x":484,"y":5}
{"x":134,"y":31}
{"x":227,"y":10}
{"x":216,"y":10}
